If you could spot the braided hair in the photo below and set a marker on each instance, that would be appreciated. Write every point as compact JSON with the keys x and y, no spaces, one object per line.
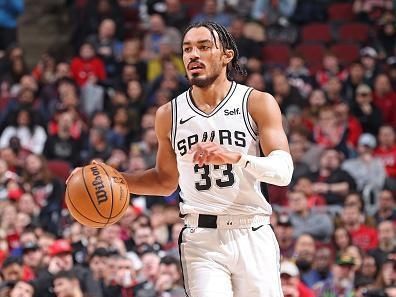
{"x":227,"y":42}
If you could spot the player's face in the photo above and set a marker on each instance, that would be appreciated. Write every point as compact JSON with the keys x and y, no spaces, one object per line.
{"x":203,"y":57}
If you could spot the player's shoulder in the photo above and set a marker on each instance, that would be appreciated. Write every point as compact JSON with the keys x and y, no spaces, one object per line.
{"x":163,"y":120}
{"x":164,"y":111}
{"x":261,"y":98}
{"x":256,"y":94}
{"x":262,"y":104}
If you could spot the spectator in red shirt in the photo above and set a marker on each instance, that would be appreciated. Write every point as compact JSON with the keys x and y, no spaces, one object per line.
{"x":331,"y":68}
{"x":328,"y":132}
{"x":304,"y":184}
{"x":363,"y":236}
{"x":386,"y":151}
{"x":385,"y":98}
{"x":87,"y":67}
{"x":353,"y":129}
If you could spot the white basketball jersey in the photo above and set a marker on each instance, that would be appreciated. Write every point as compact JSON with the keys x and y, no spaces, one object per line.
{"x":211,"y":189}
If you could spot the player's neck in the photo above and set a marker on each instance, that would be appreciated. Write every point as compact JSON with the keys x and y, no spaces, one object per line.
{"x":212,"y":94}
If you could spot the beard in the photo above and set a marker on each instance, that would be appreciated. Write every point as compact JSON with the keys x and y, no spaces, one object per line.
{"x":203,"y":82}
{"x":303,"y":265}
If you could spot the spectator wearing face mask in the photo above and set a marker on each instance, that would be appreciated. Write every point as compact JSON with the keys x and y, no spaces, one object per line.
{"x":321,"y":271}
{"x":304,"y":255}
{"x":368,"y":114}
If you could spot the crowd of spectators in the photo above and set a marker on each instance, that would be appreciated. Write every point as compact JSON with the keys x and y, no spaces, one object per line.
{"x":335,"y":223}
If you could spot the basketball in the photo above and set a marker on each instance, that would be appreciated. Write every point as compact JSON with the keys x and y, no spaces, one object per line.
{"x":97,"y":195}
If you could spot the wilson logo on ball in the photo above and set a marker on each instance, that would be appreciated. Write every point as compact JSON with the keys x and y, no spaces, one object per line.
{"x":100,"y":193}
{"x":118,"y":180}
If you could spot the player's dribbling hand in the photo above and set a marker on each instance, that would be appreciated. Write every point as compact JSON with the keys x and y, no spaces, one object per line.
{"x":212,"y":153}
{"x":78,"y":168}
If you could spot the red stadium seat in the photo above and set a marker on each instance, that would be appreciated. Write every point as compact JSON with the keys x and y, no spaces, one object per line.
{"x":353,"y":32}
{"x":346,"y":52}
{"x":312,"y":53}
{"x":314,"y":68}
{"x":317,"y":32}
{"x":59,"y":168}
{"x":276,"y":54}
{"x":340,"y":12}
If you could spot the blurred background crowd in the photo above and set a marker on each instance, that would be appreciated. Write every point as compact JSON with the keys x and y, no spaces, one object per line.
{"x":93,"y":94}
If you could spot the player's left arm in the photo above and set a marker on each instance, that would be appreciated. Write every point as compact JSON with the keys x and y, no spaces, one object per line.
{"x":277,"y":165}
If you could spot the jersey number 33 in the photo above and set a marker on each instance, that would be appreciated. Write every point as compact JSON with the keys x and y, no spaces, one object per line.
{"x":206,"y":181}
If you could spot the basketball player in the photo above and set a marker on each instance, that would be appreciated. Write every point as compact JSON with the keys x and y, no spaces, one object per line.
{"x":210,"y":143}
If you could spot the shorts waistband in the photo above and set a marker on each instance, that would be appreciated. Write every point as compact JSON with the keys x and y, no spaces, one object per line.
{"x":225,"y":221}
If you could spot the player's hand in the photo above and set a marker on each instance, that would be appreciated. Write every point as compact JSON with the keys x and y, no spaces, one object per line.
{"x":77,"y":169}
{"x":213,"y":153}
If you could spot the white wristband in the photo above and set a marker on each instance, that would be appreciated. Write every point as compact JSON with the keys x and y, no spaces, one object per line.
{"x":276,"y":168}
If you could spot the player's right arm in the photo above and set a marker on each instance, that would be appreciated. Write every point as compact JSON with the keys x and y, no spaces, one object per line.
{"x":162,"y":180}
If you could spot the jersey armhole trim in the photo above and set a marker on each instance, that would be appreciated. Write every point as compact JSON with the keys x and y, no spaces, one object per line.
{"x":246,"y":116}
{"x":174,"y":122}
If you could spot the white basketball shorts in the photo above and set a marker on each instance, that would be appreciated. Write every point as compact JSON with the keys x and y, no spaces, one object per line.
{"x":237,"y":257}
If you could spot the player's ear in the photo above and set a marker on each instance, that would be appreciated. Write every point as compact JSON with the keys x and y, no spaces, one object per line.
{"x":228,"y":56}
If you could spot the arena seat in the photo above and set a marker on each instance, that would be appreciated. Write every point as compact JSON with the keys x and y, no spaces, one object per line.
{"x":316,"y":32}
{"x":353,"y":32}
{"x":312,"y":52}
{"x":59,"y":168}
{"x":346,"y":52}
{"x":276,"y":54}
{"x":340,"y":12}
